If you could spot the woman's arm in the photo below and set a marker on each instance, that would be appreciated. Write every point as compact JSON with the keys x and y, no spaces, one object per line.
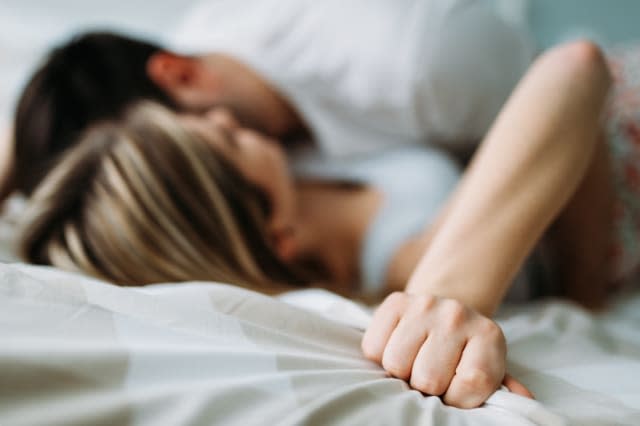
{"x":440,"y":347}
{"x":529,"y":166}
{"x":528,"y":169}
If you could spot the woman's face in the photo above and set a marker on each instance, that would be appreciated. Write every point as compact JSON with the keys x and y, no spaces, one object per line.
{"x":259,"y":158}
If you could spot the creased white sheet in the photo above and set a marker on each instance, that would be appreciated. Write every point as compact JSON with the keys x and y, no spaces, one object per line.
{"x":78,"y":351}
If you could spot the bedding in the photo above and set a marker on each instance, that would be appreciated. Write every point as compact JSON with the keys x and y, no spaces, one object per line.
{"x":79,"y":351}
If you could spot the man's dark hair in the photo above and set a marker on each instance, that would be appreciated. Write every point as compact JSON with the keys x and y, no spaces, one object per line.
{"x":91,"y":78}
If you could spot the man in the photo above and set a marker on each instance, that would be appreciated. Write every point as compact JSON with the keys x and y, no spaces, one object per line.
{"x":351,"y":76}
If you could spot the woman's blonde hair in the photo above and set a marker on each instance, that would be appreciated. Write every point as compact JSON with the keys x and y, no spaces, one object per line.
{"x":146,"y":200}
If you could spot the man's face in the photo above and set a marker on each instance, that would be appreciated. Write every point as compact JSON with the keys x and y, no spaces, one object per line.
{"x":198,"y":84}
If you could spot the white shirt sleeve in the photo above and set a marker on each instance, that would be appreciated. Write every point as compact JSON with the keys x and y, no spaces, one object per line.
{"x":469,"y":72}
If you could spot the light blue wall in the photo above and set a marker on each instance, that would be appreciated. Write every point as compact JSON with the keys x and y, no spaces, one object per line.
{"x":609,"y":21}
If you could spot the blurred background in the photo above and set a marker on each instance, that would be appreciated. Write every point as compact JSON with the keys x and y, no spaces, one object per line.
{"x":28,"y":28}
{"x":607,"y":21}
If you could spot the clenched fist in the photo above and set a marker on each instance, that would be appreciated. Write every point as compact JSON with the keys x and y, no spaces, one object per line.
{"x":441,"y":347}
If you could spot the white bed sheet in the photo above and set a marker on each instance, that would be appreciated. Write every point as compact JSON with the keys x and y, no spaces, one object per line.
{"x":79,"y":351}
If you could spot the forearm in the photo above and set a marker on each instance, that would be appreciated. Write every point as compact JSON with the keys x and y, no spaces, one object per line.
{"x":525,"y":171}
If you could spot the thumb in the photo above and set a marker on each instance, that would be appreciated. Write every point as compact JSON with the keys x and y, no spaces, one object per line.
{"x":516,"y":387}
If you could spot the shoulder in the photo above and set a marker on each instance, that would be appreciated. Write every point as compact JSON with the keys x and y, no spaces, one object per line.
{"x":415,"y":167}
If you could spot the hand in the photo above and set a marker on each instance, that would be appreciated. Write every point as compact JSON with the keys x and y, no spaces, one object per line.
{"x":441,"y":347}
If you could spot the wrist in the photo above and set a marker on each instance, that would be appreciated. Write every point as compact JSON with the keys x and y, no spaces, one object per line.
{"x":469,"y":284}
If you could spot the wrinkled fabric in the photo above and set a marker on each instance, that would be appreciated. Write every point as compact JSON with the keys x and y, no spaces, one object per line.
{"x":78,"y":351}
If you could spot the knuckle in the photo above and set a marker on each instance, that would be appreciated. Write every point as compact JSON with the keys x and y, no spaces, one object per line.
{"x":479,"y":380}
{"x":427,"y":300}
{"x":394,"y":365}
{"x":395,"y":300}
{"x":370,"y":349}
{"x":463,"y":401}
{"x":422,"y":304}
{"x":429,"y":384}
{"x":491,"y":329}
{"x":455,"y":314}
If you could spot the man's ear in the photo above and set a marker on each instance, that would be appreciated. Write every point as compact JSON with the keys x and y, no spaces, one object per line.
{"x":172,"y":72}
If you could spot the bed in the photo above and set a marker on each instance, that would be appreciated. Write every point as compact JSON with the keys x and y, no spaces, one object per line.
{"x":78,"y":351}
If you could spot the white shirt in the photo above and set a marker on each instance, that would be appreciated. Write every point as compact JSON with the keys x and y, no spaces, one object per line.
{"x":367,"y":74}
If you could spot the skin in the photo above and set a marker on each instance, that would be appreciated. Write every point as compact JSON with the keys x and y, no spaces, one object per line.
{"x":437,"y":334}
{"x":549,"y":132}
{"x":407,"y":335}
{"x":464,"y":337}
{"x":259,"y":158}
{"x":299,"y":226}
{"x":440,"y":347}
{"x":557,"y":165}
{"x":200,"y":83}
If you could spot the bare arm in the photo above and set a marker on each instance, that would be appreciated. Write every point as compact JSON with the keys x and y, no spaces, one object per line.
{"x":538,"y":153}
{"x":525,"y":172}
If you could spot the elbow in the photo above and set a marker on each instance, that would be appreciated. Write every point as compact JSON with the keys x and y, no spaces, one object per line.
{"x":588,"y":59}
{"x":583,"y":52}
{"x":585,"y":63}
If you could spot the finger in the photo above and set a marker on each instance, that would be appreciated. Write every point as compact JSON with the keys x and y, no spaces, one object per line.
{"x":516,"y":387}
{"x":478,"y":374}
{"x":403,"y":346}
{"x":385,"y":319}
{"x":436,"y":362}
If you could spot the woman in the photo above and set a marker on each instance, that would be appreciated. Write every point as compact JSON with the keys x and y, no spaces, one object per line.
{"x":160,"y":197}
{"x":223,"y":198}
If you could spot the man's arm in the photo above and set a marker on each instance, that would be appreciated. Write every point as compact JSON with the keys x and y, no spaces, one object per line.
{"x":526,"y":170}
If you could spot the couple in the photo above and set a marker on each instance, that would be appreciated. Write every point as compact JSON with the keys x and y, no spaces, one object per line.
{"x":190,"y":191}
